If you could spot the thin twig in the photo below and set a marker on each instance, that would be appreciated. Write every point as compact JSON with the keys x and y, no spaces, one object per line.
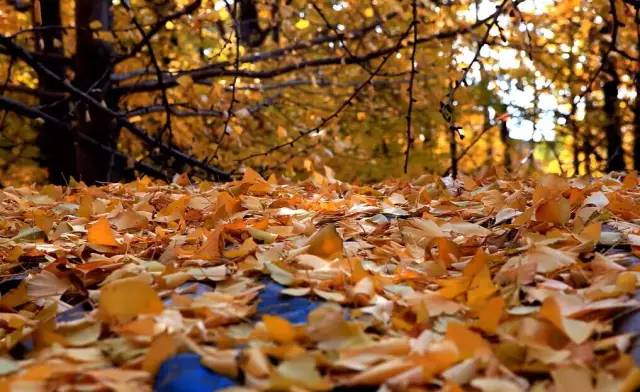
{"x":159,"y":76}
{"x":471,"y":145}
{"x":234,"y":82}
{"x":446,"y":107}
{"x":615,"y":23}
{"x":340,"y":108}
{"x":19,"y":52}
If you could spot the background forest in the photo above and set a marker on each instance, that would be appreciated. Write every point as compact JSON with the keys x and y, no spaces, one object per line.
{"x":105,"y":90}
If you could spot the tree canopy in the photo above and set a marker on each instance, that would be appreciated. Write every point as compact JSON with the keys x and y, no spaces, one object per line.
{"x":106,"y":90}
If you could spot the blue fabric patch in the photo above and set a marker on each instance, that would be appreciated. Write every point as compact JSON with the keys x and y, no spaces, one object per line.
{"x":184,"y":373}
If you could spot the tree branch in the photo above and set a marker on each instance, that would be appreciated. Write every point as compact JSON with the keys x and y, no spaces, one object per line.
{"x":29,"y":112}
{"x":121,"y":119}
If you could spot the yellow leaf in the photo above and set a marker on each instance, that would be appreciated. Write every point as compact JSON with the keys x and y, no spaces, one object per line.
{"x":626,"y":281}
{"x":251,"y":176}
{"x":481,"y":288}
{"x":100,"y":233}
{"x":368,"y":12}
{"x":176,"y":207}
{"x":378,"y":374}
{"x":478,"y":261}
{"x":86,"y":206}
{"x":123,"y":299}
{"x":576,"y":330}
{"x":185,"y":81}
{"x":630,"y":181}
{"x":248,"y":246}
{"x":43,"y":220}
{"x":210,"y":250}
{"x":95,"y":25}
{"x":281,"y":132}
{"x":15,"y":297}
{"x":223,"y":362}
{"x":592,"y":232}
{"x":556,"y":211}
{"x":468,"y":342}
{"x":302,"y":24}
{"x":325,"y":242}
{"x":300,"y":371}
{"x":262,"y":235}
{"x":490,"y":314}
{"x":163,"y":347}
{"x":447,"y":250}
{"x":130,"y":219}
{"x":453,"y":287}
{"x":279,"y":329}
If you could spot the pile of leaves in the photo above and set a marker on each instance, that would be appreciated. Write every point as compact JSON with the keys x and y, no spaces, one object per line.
{"x":485,"y":283}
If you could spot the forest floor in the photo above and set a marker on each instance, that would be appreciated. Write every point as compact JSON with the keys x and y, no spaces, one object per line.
{"x":488,"y":284}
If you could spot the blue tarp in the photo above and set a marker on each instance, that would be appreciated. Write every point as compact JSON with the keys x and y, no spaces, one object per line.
{"x":184,"y":373}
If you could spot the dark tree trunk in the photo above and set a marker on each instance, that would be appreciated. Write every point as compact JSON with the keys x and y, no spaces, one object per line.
{"x":636,"y":122}
{"x":504,"y":137}
{"x":56,"y":144}
{"x":249,"y":31}
{"x":615,"y":152}
{"x":577,"y":143}
{"x":93,"y":68}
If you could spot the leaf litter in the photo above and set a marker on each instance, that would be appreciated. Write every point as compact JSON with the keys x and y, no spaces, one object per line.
{"x":485,"y":283}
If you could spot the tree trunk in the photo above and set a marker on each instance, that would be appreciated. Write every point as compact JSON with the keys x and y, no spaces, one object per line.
{"x":504,"y":137}
{"x":56,"y":144}
{"x":636,"y":122}
{"x":615,"y":152}
{"x":93,"y":68}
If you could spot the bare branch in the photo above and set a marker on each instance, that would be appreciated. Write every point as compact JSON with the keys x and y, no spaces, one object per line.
{"x":340,"y":108}
{"x":121,"y":119}
{"x":156,"y":27}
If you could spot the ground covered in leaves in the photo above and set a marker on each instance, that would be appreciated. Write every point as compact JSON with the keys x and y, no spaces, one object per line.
{"x":487,"y":283}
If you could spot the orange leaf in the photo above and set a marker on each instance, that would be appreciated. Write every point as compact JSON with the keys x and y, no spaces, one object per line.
{"x":100,"y":233}
{"x":630,"y":181}
{"x":490,"y":314}
{"x":163,"y":347}
{"x":453,"y":287}
{"x":576,"y":330}
{"x":592,"y":232}
{"x":556,"y":211}
{"x":126,"y":298}
{"x":447,"y":250}
{"x":279,"y":329}
{"x":210,"y":250}
{"x":481,"y":288}
{"x":479,"y":260}
{"x":468,"y":342}
{"x":325,"y":242}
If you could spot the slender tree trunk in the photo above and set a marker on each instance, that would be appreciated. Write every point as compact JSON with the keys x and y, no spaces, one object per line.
{"x":453,"y":150}
{"x":615,"y":152}
{"x":93,"y":68}
{"x":636,"y":119}
{"x":504,"y":137}
{"x":56,"y":144}
{"x":575,"y":133}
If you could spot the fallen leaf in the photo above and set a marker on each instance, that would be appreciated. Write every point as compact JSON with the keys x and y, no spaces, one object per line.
{"x":100,"y":233}
{"x":126,"y":298}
